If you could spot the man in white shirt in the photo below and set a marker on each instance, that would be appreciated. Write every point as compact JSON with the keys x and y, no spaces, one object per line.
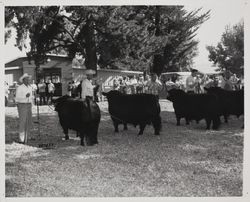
{"x":87,"y":86}
{"x":190,"y":81}
{"x":24,"y":98}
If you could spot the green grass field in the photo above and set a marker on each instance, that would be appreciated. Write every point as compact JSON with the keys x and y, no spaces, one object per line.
{"x":182,"y":161}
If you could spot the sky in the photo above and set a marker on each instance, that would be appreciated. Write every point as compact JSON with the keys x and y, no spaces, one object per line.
{"x":223,"y":12}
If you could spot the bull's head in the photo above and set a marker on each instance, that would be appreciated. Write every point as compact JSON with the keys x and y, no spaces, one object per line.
{"x":174,"y":94}
{"x":112,"y":93}
{"x":57,"y":102}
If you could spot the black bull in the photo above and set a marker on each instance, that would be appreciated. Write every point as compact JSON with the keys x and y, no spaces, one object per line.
{"x":81,"y":116}
{"x":136,"y":109}
{"x":231,"y":102}
{"x":195,"y":107}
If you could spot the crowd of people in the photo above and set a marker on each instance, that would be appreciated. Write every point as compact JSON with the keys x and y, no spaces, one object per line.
{"x":138,"y":84}
{"x":196,"y":82}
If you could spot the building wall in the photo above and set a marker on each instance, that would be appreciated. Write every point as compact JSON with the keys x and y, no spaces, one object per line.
{"x":13,"y":75}
{"x":30,"y":70}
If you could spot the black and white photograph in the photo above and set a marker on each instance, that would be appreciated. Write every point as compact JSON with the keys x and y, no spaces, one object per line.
{"x":124,"y":99}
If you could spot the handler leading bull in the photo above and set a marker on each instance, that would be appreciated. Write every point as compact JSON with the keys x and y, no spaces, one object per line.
{"x":82,"y":115}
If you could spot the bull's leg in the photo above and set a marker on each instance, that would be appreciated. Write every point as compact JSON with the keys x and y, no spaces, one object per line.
{"x":178,"y":119}
{"x":157,"y":125}
{"x":226,"y":118}
{"x":116,"y":126}
{"x":89,"y":139}
{"x":65,"y":131}
{"x":77,"y":134}
{"x":125,"y":127}
{"x":187,"y":121}
{"x":142,"y":127}
{"x":82,"y":139}
{"x":208,"y":122}
{"x":216,"y":122}
{"x":95,"y":133}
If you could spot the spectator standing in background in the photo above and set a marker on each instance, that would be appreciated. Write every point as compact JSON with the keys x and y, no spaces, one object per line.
{"x":74,"y":89}
{"x":154,"y":86}
{"x":123,"y":85}
{"x":179,"y":83}
{"x":225,"y":81}
{"x":51,"y":91}
{"x":234,"y":80}
{"x":70,"y":88}
{"x":140,"y":85}
{"x":116,"y":85}
{"x":42,"y":92}
{"x":133,"y":84}
{"x":198,"y":83}
{"x":146,"y":80}
{"x":170,"y":84}
{"x":190,"y":81}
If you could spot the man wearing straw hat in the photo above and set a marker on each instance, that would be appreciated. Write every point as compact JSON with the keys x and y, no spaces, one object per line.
{"x":24,"y":99}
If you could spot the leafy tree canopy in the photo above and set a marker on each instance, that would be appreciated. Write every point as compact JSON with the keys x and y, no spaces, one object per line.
{"x":129,"y":37}
{"x":229,"y":52}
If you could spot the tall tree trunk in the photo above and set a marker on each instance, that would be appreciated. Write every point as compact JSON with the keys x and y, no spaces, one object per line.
{"x":91,"y":59}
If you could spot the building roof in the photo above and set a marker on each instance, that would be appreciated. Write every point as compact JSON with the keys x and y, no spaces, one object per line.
{"x":18,"y":62}
{"x":55,"y":61}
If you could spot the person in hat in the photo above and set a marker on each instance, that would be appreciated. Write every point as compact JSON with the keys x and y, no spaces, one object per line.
{"x":87,"y":86}
{"x":191,"y":81}
{"x":24,"y":98}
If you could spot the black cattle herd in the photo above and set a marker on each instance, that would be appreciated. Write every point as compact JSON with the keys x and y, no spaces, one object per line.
{"x":84,"y":116}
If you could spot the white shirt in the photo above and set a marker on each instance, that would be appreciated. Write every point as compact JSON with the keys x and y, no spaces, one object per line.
{"x":51,"y":88}
{"x":87,"y":88}
{"x":21,"y":92}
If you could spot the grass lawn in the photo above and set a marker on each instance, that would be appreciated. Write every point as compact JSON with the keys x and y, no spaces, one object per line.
{"x":182,"y":161}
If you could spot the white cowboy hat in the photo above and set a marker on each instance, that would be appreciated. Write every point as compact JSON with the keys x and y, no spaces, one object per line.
{"x":90,"y":71}
{"x":25,"y":75}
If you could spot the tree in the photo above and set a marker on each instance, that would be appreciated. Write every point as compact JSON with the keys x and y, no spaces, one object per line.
{"x":159,"y":37}
{"x":129,"y":37}
{"x":229,"y":52}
